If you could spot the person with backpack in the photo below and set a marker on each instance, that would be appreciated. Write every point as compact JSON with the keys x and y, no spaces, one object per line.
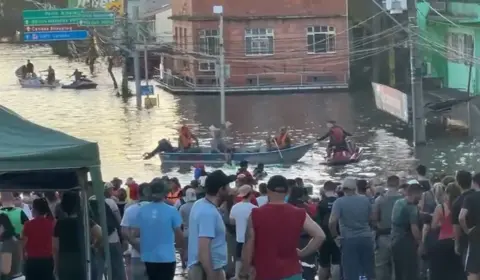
{"x":16,"y":214}
{"x":382,"y":218}
{"x":114,"y":237}
{"x":330,"y":256}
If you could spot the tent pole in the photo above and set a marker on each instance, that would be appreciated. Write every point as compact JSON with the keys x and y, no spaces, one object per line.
{"x":97,"y":182}
{"x":82,"y":179}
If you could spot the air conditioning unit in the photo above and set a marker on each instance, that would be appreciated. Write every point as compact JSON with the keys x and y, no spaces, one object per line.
{"x":396,"y":6}
{"x":440,"y":6}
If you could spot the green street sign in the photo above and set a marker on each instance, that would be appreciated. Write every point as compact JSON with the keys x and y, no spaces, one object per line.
{"x":79,"y":17}
{"x":50,"y":21}
{"x":52,"y":13}
{"x":97,"y":22}
{"x":70,"y":21}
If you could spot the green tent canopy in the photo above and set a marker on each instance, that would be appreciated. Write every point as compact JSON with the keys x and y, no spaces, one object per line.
{"x":36,"y":157}
{"x":33,"y":157}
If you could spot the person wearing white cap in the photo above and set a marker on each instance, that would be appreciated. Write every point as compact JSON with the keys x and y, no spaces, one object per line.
{"x":239,"y":217}
{"x":353,"y":213}
{"x":185,"y":209}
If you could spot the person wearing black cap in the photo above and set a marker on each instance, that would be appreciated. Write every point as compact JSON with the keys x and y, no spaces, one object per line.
{"x":269,"y":248}
{"x":158,"y":225}
{"x":207,"y":247}
{"x":137,"y":267}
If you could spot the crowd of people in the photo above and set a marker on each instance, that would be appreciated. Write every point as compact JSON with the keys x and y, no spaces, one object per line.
{"x":233,"y":227}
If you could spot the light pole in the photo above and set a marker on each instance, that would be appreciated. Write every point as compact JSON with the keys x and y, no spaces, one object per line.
{"x":218,"y":10}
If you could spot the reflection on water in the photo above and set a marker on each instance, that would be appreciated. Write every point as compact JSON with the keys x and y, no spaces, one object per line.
{"x":124,"y":133}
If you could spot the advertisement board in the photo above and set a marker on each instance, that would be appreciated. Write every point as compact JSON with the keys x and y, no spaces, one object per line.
{"x":108,"y":5}
{"x":391,"y":100}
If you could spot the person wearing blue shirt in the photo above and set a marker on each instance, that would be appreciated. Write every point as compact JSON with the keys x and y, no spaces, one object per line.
{"x":207,"y":246}
{"x":137,"y":267}
{"x":158,"y":226}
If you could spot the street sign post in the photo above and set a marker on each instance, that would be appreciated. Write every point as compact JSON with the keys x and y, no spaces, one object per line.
{"x":63,"y":24}
{"x":147,"y":90}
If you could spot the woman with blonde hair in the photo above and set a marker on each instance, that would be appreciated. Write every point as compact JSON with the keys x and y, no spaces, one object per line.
{"x":438,"y":192}
{"x":444,"y":263}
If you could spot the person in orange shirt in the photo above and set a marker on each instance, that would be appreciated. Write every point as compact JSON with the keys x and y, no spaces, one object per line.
{"x":186,"y":139}
{"x":282,"y":140}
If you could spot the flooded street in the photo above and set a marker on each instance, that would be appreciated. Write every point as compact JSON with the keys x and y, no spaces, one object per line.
{"x":125,"y":133}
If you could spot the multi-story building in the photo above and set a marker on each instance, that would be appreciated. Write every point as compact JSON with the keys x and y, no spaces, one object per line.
{"x":449,"y":39}
{"x":275,"y":45}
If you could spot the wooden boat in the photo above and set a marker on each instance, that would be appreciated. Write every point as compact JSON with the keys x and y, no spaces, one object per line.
{"x":253,"y":156}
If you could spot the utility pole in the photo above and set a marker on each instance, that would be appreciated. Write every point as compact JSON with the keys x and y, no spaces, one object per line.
{"x":145,"y":58}
{"x":126,"y":40}
{"x":469,"y":104}
{"x":138,"y":85}
{"x":219,"y":11}
{"x":376,"y":44}
{"x":419,"y":137}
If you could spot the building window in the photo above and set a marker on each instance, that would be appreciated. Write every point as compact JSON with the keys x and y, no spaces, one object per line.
{"x":206,"y":66}
{"x":461,"y":47}
{"x":135,"y":12}
{"x":321,"y":39}
{"x":259,"y":41}
{"x":209,"y":41}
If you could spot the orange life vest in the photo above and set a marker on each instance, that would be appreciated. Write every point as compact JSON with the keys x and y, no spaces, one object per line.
{"x":336,"y":135}
{"x":173,"y":196}
{"x":281,"y":139}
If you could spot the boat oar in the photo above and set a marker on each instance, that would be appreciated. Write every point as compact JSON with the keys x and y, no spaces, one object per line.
{"x":278,"y":148}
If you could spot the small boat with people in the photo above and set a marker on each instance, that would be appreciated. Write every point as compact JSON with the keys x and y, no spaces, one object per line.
{"x":37,"y":82}
{"x":81,"y":82}
{"x":28,"y":79}
{"x":276,"y":151}
{"x":340,"y":149}
{"x":254,"y":156}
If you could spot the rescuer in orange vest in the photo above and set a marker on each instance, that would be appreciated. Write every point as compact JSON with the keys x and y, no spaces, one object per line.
{"x":282,"y":140}
{"x":337,"y":136}
{"x":186,"y":139}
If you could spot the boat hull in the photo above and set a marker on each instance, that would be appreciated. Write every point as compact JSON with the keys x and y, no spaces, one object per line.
{"x":290,"y":155}
{"x":82,"y":86}
{"x":354,"y":157}
{"x":37,"y":83}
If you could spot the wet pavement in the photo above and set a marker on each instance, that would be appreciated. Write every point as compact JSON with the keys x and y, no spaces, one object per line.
{"x":125,"y":133}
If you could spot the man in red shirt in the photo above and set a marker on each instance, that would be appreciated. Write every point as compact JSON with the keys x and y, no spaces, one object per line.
{"x":273,"y":234}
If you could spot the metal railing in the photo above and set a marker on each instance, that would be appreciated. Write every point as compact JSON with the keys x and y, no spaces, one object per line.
{"x":264,"y":80}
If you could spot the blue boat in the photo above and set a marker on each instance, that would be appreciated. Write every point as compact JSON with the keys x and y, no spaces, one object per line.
{"x":253,"y":156}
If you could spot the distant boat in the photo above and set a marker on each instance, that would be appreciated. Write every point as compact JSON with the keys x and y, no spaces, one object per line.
{"x":253,"y":156}
{"x":34,"y":81}
{"x":37,"y":83}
